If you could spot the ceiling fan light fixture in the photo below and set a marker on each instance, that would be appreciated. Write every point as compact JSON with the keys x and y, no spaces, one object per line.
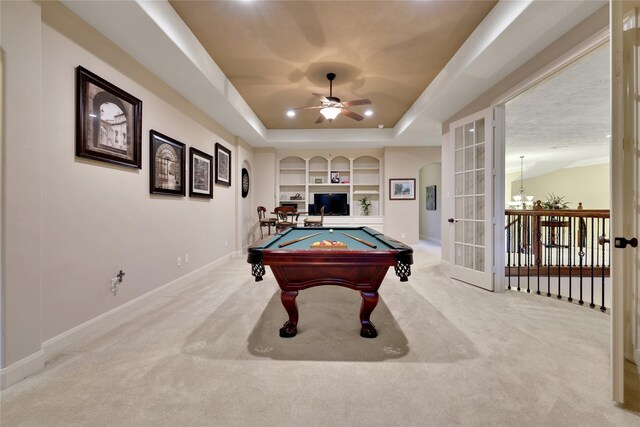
{"x":330,"y":113}
{"x":291,"y":113}
{"x":368,"y":113}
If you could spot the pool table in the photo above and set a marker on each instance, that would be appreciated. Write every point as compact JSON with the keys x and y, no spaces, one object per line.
{"x":362,"y":265}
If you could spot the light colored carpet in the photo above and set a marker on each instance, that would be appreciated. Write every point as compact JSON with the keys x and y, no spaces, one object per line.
{"x":447,"y":354}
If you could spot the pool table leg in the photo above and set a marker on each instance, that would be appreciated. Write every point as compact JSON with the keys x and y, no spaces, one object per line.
{"x":369,"y":302}
{"x":290,"y":328}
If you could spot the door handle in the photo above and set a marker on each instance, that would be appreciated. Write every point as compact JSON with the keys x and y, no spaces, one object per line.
{"x":451,"y":220}
{"x":602,"y":240}
{"x":621,"y":242}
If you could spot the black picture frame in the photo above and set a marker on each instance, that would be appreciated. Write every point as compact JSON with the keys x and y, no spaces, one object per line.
{"x":402,"y":189}
{"x":245,"y":182}
{"x":430,"y":198}
{"x":223,"y":165}
{"x":200,"y":174}
{"x":108,"y":121}
{"x":167,"y":165}
{"x":335,"y":177}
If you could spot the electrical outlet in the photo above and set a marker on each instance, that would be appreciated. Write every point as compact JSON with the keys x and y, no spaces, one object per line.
{"x":403,"y":235}
{"x":186,"y":258}
{"x":179,"y":260}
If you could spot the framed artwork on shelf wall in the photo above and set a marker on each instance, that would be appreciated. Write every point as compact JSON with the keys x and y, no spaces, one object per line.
{"x":335,"y":177}
{"x":200,"y":174}
{"x":431,"y":198}
{"x":108,"y":121}
{"x":223,"y":165}
{"x":167,"y":161}
{"x":402,"y":189}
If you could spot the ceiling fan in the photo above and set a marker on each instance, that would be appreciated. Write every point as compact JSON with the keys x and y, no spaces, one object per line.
{"x":331,"y":106}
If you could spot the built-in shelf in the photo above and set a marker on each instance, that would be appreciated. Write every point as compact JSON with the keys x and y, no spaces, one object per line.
{"x":297,"y":176}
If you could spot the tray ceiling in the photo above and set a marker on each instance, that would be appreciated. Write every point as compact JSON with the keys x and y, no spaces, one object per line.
{"x":276,"y":53}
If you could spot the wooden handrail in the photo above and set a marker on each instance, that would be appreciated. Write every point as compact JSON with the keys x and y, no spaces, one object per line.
{"x":589,"y":213}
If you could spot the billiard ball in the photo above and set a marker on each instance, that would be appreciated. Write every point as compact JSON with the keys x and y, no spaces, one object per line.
{"x":331,"y":230}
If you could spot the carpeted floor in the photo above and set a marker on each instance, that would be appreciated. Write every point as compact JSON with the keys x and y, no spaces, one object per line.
{"x":447,"y":354}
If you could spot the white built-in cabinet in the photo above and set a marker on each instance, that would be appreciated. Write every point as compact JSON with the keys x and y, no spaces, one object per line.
{"x":300,"y":178}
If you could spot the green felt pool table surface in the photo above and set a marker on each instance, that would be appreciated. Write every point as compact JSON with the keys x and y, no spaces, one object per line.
{"x":335,"y":234}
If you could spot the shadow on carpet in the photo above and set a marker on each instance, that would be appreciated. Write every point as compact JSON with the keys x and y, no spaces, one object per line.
{"x":329,"y":330}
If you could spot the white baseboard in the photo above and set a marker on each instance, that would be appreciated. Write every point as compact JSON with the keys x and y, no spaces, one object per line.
{"x":106,"y":321}
{"x":21,"y":369}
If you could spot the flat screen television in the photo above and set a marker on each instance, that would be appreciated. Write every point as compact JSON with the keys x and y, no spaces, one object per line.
{"x":334,"y":204}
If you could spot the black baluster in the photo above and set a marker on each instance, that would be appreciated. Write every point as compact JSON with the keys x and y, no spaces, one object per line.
{"x":602,"y":307}
{"x":549,"y":254}
{"x":509,"y":252}
{"x":528,"y":253}
{"x":592,"y":265}
{"x":538,"y":250}
{"x":571,"y":222}
{"x":560,"y":244}
{"x":519,"y":245}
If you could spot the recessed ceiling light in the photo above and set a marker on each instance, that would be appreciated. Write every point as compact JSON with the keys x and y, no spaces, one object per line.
{"x":291,"y":113}
{"x":368,"y":113}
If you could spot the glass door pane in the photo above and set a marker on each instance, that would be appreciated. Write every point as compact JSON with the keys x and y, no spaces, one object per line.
{"x":470,"y":170}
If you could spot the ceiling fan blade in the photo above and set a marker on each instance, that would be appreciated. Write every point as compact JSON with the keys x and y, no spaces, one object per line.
{"x":320,"y":96}
{"x":320,"y":119}
{"x":306,"y":108}
{"x":357,"y":102}
{"x":351,"y":114}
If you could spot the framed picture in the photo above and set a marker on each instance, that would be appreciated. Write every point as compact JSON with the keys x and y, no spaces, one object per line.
{"x":108,"y":121}
{"x":431,"y":198}
{"x":200,"y":174}
{"x":318,"y":181}
{"x":167,"y":165}
{"x":402,"y":189}
{"x":335,"y":177}
{"x":223,"y":165}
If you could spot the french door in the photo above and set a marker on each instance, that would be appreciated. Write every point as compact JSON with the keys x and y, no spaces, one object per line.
{"x":472,"y":176}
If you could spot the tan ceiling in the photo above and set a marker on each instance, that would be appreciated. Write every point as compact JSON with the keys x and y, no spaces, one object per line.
{"x":276,"y":53}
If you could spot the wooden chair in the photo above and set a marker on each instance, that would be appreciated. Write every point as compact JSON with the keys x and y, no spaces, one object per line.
{"x":287,"y":217}
{"x":264,"y":221}
{"x":315,"y":222}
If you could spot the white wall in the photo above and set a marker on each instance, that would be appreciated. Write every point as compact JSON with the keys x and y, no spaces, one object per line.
{"x":264,"y":185}
{"x":402,"y":216}
{"x":70,"y":224}
{"x":430,"y":226}
{"x":588,"y":184}
{"x":22,"y":205}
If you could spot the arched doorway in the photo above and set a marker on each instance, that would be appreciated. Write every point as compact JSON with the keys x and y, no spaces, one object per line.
{"x":430,"y":205}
